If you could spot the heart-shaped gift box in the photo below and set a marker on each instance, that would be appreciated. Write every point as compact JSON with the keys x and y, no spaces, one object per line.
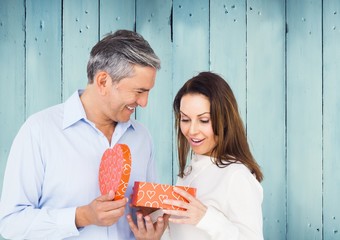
{"x":114,"y":170}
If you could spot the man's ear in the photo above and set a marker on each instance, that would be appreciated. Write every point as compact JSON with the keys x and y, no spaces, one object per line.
{"x":102,"y":81}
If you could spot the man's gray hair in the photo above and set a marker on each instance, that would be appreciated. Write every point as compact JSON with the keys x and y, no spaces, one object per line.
{"x":117,"y":54}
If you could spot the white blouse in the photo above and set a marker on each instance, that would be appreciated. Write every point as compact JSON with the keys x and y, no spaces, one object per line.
{"x":233,"y":197}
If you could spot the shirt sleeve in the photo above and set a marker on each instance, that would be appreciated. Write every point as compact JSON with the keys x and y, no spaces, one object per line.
{"x":21,"y":216}
{"x":244,"y":219}
{"x":166,"y":235}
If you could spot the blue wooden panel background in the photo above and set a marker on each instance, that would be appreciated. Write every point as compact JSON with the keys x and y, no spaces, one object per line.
{"x":266,"y":106}
{"x":304,"y":119}
{"x":12,"y":80}
{"x":280,"y":57}
{"x":80,"y":32}
{"x":43,"y":54}
{"x":331,"y":119}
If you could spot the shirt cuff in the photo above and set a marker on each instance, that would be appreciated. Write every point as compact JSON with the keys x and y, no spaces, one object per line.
{"x":66,"y":221}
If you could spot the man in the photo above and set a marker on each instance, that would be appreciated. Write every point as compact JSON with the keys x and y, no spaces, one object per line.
{"x":51,"y":188}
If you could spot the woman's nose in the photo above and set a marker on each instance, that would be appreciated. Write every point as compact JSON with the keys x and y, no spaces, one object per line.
{"x":193,"y":128}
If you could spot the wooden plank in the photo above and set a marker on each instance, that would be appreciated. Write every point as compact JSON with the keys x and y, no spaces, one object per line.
{"x":12,"y":81}
{"x":190,"y":39}
{"x":43,"y":61}
{"x":331,"y":117}
{"x":190,"y":45}
{"x":153,"y":22}
{"x":304,"y":119}
{"x":228,"y":46}
{"x":116,"y":14}
{"x":266,"y":106}
{"x":80,"y":34}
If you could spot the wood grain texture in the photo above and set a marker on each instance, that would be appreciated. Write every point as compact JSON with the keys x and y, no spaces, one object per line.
{"x":12,"y":80}
{"x":331,"y":119}
{"x":117,"y":14}
{"x":80,"y":34}
{"x":304,"y":120}
{"x":43,"y":54}
{"x":266,"y":107}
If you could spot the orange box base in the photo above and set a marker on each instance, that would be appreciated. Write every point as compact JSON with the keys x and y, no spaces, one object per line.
{"x":151,"y":195}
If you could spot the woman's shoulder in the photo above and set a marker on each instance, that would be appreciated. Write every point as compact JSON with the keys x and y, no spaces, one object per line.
{"x":236,"y":173}
{"x":241,"y":177}
{"x":237,"y":167}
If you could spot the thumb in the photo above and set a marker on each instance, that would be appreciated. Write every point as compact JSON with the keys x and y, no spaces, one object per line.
{"x":107,"y":197}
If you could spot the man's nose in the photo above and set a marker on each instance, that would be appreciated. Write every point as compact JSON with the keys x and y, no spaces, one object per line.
{"x":143,"y":99}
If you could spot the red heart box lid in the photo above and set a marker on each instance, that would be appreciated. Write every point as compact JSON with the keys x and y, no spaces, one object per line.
{"x":114,"y":170}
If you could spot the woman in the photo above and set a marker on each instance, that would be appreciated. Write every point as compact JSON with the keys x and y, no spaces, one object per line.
{"x":222,"y":168}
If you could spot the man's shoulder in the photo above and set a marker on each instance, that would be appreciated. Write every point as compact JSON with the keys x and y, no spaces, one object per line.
{"x":50,"y":115}
{"x":140,"y":129}
{"x":138,"y":125}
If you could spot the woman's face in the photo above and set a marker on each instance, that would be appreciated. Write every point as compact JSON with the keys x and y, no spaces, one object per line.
{"x":195,"y":123}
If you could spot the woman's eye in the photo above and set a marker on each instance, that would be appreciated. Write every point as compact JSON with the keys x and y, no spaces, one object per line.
{"x":204,"y":120}
{"x":184,"y":120}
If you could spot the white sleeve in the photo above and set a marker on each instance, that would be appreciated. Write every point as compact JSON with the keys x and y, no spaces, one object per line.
{"x":244,"y":219}
{"x":166,"y":234}
{"x":217,"y":225}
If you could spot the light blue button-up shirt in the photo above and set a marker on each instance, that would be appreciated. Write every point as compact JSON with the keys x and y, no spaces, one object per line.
{"x":53,"y":168}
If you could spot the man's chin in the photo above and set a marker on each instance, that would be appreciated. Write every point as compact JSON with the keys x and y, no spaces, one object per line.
{"x":124,"y":119}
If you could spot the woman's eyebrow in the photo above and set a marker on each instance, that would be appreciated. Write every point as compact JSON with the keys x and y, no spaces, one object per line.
{"x":203,"y":114}
{"x":183,"y":113}
{"x":197,"y":115}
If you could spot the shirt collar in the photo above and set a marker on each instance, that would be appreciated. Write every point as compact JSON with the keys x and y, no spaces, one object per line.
{"x":73,"y":109}
{"x":74,"y":112}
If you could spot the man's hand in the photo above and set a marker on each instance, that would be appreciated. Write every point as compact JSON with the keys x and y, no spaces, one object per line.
{"x":102,"y":211}
{"x":147,"y":230}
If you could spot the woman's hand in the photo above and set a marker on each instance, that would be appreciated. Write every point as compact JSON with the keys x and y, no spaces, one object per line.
{"x":193,"y":211}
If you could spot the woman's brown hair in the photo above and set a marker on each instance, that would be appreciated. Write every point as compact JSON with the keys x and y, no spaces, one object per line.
{"x":232,"y":145}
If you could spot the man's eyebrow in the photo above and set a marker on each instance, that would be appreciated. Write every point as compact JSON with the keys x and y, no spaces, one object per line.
{"x":142,"y":89}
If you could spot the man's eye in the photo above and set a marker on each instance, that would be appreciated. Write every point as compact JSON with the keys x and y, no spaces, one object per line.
{"x":140,"y":91}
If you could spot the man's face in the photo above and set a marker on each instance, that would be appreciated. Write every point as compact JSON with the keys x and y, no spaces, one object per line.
{"x":123,"y":97}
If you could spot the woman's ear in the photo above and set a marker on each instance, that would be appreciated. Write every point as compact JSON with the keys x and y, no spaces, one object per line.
{"x":102,"y":81}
